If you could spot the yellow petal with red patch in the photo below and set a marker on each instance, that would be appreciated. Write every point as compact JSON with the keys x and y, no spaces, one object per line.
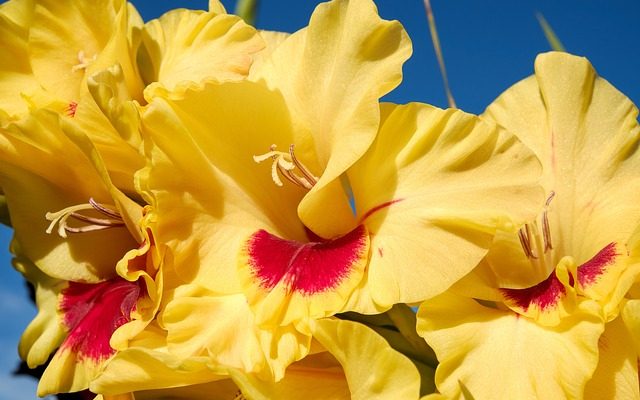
{"x":585,"y":133}
{"x":91,"y":313}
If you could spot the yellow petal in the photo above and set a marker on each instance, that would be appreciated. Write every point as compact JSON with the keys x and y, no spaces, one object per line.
{"x":617,"y":374}
{"x":66,"y":373}
{"x":216,"y":7}
{"x":45,"y":332}
{"x":436,"y":180}
{"x":224,"y":389}
{"x":272,"y":40}
{"x":317,"y":376}
{"x":234,"y":341}
{"x":331,"y":75}
{"x":345,"y":371}
{"x":111,"y":120}
{"x":15,"y":69}
{"x":147,"y":365}
{"x":498,"y":354}
{"x":631,"y":317}
{"x":184,"y":46}
{"x":388,"y":375}
{"x":140,"y":264}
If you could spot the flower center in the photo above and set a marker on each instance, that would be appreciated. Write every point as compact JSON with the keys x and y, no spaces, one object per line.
{"x":286,"y":164}
{"x":536,"y":246}
{"x":83,"y":61}
{"x":92,"y":223}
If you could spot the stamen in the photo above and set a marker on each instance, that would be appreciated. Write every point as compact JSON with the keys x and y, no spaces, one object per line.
{"x":310,"y":178}
{"x":94,"y":224}
{"x":285,"y":164}
{"x":524,"y":234}
{"x":71,"y":109}
{"x":546,"y":231}
{"x":83,"y":62}
{"x":530,"y":236}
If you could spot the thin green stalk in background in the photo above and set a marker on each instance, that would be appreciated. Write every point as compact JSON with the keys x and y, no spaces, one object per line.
{"x":247,"y":10}
{"x":553,"y":40}
{"x":438,"y":50}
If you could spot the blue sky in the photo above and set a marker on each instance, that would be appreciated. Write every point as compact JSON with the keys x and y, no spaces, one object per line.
{"x":488,"y":46}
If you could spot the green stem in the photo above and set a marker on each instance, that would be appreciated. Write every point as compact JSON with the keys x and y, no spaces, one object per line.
{"x":404,"y":319}
{"x":247,"y":10}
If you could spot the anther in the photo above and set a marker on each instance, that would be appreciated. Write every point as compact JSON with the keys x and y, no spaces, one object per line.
{"x":92,"y":223}
{"x":530,"y":240}
{"x":284,"y":164}
{"x":524,"y":234}
{"x":546,"y":231}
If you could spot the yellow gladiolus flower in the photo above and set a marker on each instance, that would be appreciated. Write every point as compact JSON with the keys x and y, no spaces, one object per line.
{"x":557,"y":286}
{"x":94,"y":264}
{"x":300,"y":191}
{"x":81,"y":242}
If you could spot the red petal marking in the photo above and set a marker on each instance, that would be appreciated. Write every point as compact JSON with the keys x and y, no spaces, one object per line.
{"x":308,"y":268}
{"x":92,"y":312}
{"x":590,"y":271}
{"x":378,"y":208}
{"x":544,"y":295}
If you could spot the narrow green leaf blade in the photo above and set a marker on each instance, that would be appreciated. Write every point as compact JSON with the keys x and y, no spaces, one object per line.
{"x":551,"y":36}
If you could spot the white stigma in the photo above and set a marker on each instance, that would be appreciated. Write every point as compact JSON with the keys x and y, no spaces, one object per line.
{"x":284,"y":164}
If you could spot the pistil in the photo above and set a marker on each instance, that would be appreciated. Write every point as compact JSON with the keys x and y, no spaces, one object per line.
{"x":284,"y":164}
{"x":112,"y":220}
{"x":83,"y":61}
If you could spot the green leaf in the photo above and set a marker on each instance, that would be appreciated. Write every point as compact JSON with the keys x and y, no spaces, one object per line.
{"x":438,"y":50}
